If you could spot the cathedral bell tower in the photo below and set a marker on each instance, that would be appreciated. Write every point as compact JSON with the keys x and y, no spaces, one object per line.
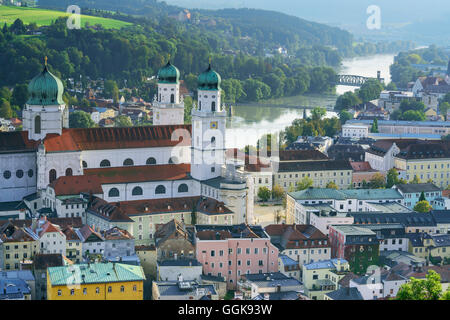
{"x":208,"y":128}
{"x":45,"y":111}
{"x":168,"y":107}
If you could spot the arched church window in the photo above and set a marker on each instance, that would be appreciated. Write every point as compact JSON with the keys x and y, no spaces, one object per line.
{"x":19,"y":173}
{"x":105,"y":163}
{"x":172,"y":98}
{"x":151,"y":160}
{"x":213,"y":106}
{"x":52,"y":175}
{"x":37,"y":124}
{"x":199,"y":105}
{"x":213,"y":141}
{"x":173,"y":160}
{"x":183,"y":188}
{"x":30,"y":173}
{"x":113,"y":193}
{"x":69,"y":172}
{"x":137,"y":191}
{"x":128,"y":162}
{"x":160,"y":189}
{"x":84,"y":164}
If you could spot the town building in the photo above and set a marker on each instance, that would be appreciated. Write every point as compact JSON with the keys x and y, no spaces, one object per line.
{"x":269,"y":286}
{"x":320,"y":278}
{"x":231,"y":251}
{"x":174,"y":240}
{"x":302,"y":243}
{"x":363,"y":173}
{"x":171,"y":270}
{"x":289,"y":267}
{"x":17,"y":285}
{"x":183,"y":290}
{"x":359,"y":246}
{"x":40,"y":264}
{"x":412,"y":191}
{"x":99,"y":281}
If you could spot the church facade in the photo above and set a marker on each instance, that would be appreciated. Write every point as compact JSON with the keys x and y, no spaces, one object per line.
{"x":165,"y":161}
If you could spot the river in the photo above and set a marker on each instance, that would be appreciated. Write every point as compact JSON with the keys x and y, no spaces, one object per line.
{"x":250,"y":122}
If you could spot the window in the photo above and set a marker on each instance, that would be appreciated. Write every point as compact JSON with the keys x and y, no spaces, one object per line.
{"x":113,"y":193}
{"x":137,"y":191}
{"x":213,"y":253}
{"x":109,"y":289}
{"x":37,"y":125}
{"x":173,"y":160}
{"x":19,"y":173}
{"x":160,"y":189}
{"x":97,"y":290}
{"x":30,"y":173}
{"x":84,"y":291}
{"x":172,"y":98}
{"x":183,"y":188}
{"x":59,"y":292}
{"x":122,"y":289}
{"x":52,"y":175}
{"x":72,"y":292}
{"x":134,"y":288}
{"x":128,"y":162}
{"x":84,"y":164}
{"x":105,"y":163}
{"x":151,"y":160}
{"x":69,"y":172}
{"x":213,"y":106}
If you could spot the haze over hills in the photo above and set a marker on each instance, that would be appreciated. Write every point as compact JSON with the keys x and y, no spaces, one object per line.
{"x":401,"y":19}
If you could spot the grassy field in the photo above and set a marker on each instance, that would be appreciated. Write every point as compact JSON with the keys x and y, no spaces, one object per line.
{"x":43,"y":17}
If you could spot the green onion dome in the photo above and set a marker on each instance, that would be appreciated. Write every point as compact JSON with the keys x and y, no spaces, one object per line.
{"x":45,"y":89}
{"x":209,"y":80}
{"x":169,"y":74}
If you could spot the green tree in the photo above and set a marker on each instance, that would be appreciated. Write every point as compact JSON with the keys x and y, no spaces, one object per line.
{"x":377,"y":181}
{"x":264,"y":193}
{"x":5,"y":109}
{"x":277,"y":192}
{"x":305,"y":183}
{"x":344,"y":116}
{"x":347,"y":100}
{"x":421,"y":289}
{"x":318,"y":113}
{"x":188,"y":105}
{"x":20,"y":95}
{"x":111,"y":90}
{"x":423,"y":206}
{"x":415,"y":180}
{"x":392,"y":178}
{"x":444,"y":107}
{"x":422,"y":196}
{"x":332,"y":185}
{"x":122,"y":121}
{"x":374,"y":128}
{"x":80,"y":119}
{"x":413,"y":115}
{"x":370,"y":90}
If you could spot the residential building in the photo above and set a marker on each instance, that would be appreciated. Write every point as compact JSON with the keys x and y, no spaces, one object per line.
{"x":183,"y":290}
{"x":231,"y":251}
{"x":412,"y":191}
{"x":391,"y":236}
{"x":93,"y":243}
{"x":74,"y":251}
{"x":16,"y":285}
{"x":289,"y":267}
{"x":269,"y":286}
{"x":344,"y":294}
{"x":302,"y":243}
{"x":359,"y":246}
{"x":320,"y":278}
{"x":363,"y":173}
{"x":98,"y":281}
{"x":119,"y":246}
{"x":174,"y":240}
{"x":379,"y":284}
{"x":40,"y":264}
{"x":148,"y":261}
{"x":171,"y":270}
{"x":321,"y":172}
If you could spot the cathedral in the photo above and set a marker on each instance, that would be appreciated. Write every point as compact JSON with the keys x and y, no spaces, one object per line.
{"x":165,"y":161}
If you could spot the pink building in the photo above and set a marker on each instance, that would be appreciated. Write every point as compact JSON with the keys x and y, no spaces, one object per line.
{"x":230,"y":251}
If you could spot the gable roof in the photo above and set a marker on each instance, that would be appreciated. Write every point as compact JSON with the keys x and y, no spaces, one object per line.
{"x":417,"y":187}
{"x":140,"y":173}
{"x":318,"y":165}
{"x":76,"y":139}
{"x":74,"y":185}
{"x":106,"y":210}
{"x":16,"y":141}
{"x":301,"y":155}
{"x":289,"y":236}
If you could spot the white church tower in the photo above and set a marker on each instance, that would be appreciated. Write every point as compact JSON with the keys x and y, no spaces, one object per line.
{"x":168,"y":107}
{"x":45,"y":111}
{"x":208,"y":129}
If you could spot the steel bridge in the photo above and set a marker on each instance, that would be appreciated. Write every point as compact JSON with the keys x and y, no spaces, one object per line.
{"x":352,"y":80}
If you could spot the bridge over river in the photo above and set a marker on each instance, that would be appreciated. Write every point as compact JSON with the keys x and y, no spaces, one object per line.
{"x":355,"y":81}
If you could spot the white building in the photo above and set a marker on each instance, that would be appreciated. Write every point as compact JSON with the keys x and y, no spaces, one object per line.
{"x":355,"y":131}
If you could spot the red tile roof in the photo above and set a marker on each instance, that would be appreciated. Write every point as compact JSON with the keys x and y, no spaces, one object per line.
{"x":16,"y":141}
{"x":361,"y":166}
{"x":71,"y":185}
{"x":140,"y":173}
{"x":107,"y":210}
{"x":115,"y":138}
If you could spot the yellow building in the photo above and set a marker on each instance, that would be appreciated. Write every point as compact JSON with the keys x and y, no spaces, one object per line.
{"x":435,"y":247}
{"x":16,"y":246}
{"x":321,"y":172}
{"x":426,"y":160}
{"x":99,"y":281}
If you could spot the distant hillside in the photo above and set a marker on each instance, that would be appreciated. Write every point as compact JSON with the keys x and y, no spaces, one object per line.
{"x":42,"y":17}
